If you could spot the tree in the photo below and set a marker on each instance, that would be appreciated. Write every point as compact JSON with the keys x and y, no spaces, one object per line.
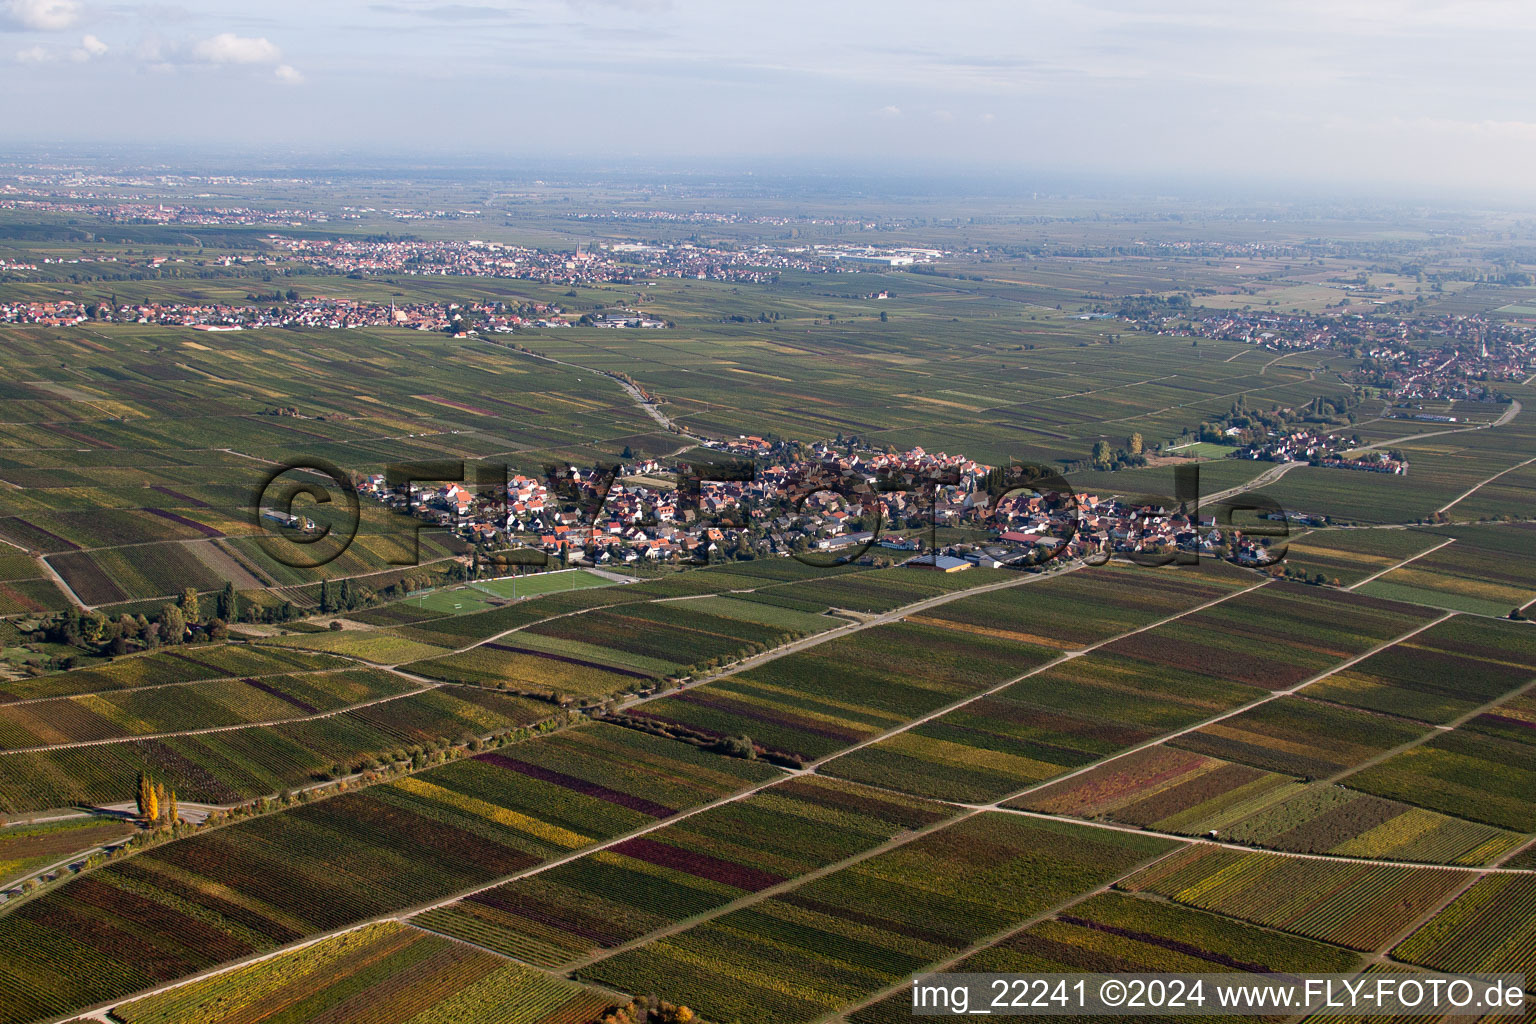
{"x":1102,"y":457}
{"x":229,"y":603}
{"x":173,"y":625}
{"x":1134,"y":447}
{"x":736,"y":746}
{"x":327,"y":597}
{"x":628,"y":454}
{"x":149,"y":799}
{"x":93,"y":627}
{"x":146,"y":796}
{"x":162,"y":801}
{"x":189,"y":608}
{"x":172,"y":810}
{"x":292,"y":295}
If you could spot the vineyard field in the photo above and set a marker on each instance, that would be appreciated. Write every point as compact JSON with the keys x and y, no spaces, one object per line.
{"x":618,"y":895}
{"x":384,"y":974}
{"x":812,"y":703}
{"x":1114,"y":932}
{"x":845,"y":936}
{"x":1358,"y":906}
{"x":259,"y":883}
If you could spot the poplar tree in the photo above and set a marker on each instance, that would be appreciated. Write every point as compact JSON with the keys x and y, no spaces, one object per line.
{"x":189,"y":606}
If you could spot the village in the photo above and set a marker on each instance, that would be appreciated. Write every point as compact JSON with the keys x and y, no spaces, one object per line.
{"x":1320,"y":449}
{"x":319,"y":312}
{"x":832,"y":505}
{"x":616,"y":263}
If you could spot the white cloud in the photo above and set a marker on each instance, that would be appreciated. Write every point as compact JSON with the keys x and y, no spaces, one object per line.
{"x":228,"y":48}
{"x":39,"y":15}
{"x":32,"y":55}
{"x":888,"y":111}
{"x":288,"y":74}
{"x":89,"y":47}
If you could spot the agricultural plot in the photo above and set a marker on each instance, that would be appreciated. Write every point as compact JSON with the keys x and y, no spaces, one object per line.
{"x":1272,"y":638}
{"x":646,"y":636}
{"x":1217,"y":473}
{"x":1173,"y":790}
{"x":112,"y":576}
{"x":697,"y":865}
{"x":1301,"y":737}
{"x":791,"y":621}
{"x":243,"y":763}
{"x":180,"y":707}
{"x":1488,"y":570}
{"x":28,"y":848}
{"x":266,"y":881}
{"x":1526,"y":858}
{"x":609,"y":656}
{"x":1133,"y":690}
{"x":843,"y":937}
{"x":456,"y":631}
{"x":367,"y":645}
{"x":1350,"y":556}
{"x":1514,"y":490}
{"x":398,"y":614}
{"x":1355,"y":905}
{"x":1078,"y":608}
{"x":812,"y":703}
{"x":527,"y":670}
{"x":25,"y":586}
{"x":1058,"y":719}
{"x":178,"y":665}
{"x":1114,"y":932}
{"x":1332,"y":819}
{"x":1440,"y":674}
{"x":1165,"y":789}
{"x":886,"y":589}
{"x":19,"y":597}
{"x":1490,"y":927}
{"x":1512,"y":719}
{"x":1484,"y":770}
{"x":385,"y":974}
{"x":1372,"y":499}
{"x":382,"y":545}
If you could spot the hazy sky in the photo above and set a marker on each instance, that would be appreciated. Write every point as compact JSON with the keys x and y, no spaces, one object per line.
{"x":1352,"y":90}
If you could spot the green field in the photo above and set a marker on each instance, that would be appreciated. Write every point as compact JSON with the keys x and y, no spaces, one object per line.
{"x":516,"y":587}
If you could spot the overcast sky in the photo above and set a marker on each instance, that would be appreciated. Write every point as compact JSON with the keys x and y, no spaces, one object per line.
{"x":1355,"y":91}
